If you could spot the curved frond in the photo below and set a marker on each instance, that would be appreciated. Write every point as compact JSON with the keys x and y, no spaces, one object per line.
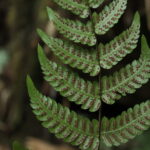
{"x":62,"y":122}
{"x":121,"y":129}
{"x":82,"y":132}
{"x":73,"y":30}
{"x":69,"y":84}
{"x":128,"y":79}
{"x":95,"y":3}
{"x":73,"y":55}
{"x":109,"y":16}
{"x":122,"y":45}
{"x":75,"y":6}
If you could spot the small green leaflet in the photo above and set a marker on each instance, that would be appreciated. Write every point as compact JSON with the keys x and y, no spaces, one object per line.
{"x":75,"y":6}
{"x":95,"y":3}
{"x":126,"y":126}
{"x":70,"y":84}
{"x":73,"y":30}
{"x":61,"y":121}
{"x":123,"y":44}
{"x":73,"y":55}
{"x":109,"y":16}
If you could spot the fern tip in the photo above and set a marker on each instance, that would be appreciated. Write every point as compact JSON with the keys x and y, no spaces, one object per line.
{"x":39,"y":31}
{"x":137,"y":14}
{"x":39,"y":47}
{"x":28,"y":80}
{"x":145,"y":47}
{"x":41,"y":56}
{"x":32,"y":91}
{"x":137,"y":17}
{"x":40,"y":51}
{"x":30,"y":85}
{"x":50,"y":13}
{"x":143,"y":38}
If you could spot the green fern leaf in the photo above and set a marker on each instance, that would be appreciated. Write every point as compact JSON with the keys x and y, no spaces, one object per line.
{"x":129,"y":124}
{"x":77,"y":57}
{"x":62,"y":122}
{"x":95,"y":3}
{"x":82,"y":132}
{"x":128,"y":79}
{"x":122,"y":45}
{"x":109,"y":16}
{"x":75,"y":6}
{"x":62,"y":78}
{"x":73,"y":30}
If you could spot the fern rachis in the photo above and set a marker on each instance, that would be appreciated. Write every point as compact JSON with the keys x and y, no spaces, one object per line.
{"x":68,"y":125}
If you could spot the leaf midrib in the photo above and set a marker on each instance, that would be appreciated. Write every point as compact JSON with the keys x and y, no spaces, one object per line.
{"x":61,"y":121}
{"x":89,"y":34}
{"x":93,"y":62}
{"x":112,"y":52}
{"x":70,"y":85}
{"x":126,"y":80}
{"x":128,"y":124}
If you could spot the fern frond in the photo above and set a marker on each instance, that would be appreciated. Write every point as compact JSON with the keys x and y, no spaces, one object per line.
{"x":73,"y":30}
{"x":75,"y":6}
{"x":62,"y":122}
{"x":82,"y":132}
{"x":77,"y":57}
{"x":69,"y":84}
{"x":95,"y":3}
{"x":128,"y":79}
{"x":122,"y":45}
{"x":109,"y":16}
{"x":129,"y":124}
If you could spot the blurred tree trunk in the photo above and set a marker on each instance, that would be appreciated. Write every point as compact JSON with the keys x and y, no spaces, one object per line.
{"x":147,"y":6}
{"x":22,"y":18}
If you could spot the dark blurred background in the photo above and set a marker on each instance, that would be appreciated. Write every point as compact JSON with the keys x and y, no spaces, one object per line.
{"x":19,"y":20}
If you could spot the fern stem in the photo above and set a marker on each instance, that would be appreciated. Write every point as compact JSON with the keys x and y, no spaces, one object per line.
{"x":100,"y":93}
{"x":99,"y":80}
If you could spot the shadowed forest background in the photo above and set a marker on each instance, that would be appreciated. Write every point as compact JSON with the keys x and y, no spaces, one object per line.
{"x":19,"y":20}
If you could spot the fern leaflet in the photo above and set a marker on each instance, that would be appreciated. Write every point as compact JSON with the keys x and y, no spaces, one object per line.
{"x":79,"y":130}
{"x":75,"y":6}
{"x":125,"y":43}
{"x":77,"y":57}
{"x":61,"y":78}
{"x":73,"y":30}
{"x":116,"y":131}
{"x":65,"y":124}
{"x":109,"y":16}
{"x":128,"y":79}
{"x":95,"y":3}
